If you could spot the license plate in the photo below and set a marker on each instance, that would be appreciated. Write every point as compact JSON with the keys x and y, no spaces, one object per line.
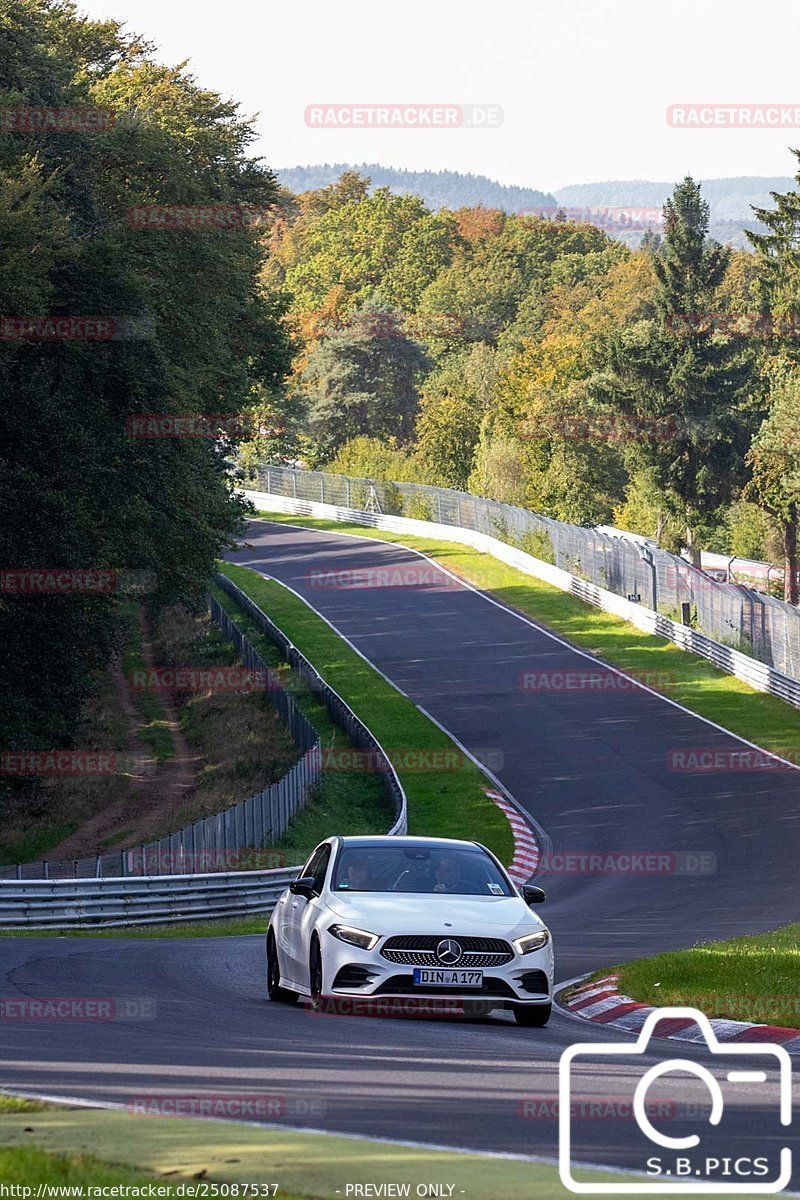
{"x":447,"y":977}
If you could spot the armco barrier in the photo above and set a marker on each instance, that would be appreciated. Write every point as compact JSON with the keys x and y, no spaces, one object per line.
{"x":758,"y":675}
{"x":219,"y":839}
{"x":342,"y":714}
{"x":143,"y":900}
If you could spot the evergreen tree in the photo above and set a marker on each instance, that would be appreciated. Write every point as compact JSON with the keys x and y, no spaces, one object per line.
{"x":681,"y":381}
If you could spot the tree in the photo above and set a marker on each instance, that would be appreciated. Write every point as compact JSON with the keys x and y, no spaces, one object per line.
{"x":454,"y":399}
{"x":192,"y":333}
{"x":363,"y":379}
{"x":774,"y":459}
{"x":681,"y":381}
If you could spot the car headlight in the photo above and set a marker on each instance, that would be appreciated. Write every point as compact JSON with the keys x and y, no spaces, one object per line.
{"x":355,"y":937}
{"x":532,"y":941}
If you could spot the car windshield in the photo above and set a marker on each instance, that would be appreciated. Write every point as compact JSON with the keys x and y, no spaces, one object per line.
{"x":460,"y":870}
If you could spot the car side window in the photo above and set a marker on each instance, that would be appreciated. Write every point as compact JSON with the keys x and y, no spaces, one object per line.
{"x":319,"y":867}
{"x":311,"y":864}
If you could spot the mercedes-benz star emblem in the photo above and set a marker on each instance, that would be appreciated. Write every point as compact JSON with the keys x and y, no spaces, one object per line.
{"x":449,"y":952}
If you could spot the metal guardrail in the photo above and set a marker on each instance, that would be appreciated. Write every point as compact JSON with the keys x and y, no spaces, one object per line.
{"x":149,"y":900}
{"x":757,"y":624}
{"x":760,"y":675}
{"x":105,"y":901}
{"x":216,"y":841}
{"x":341,"y":712}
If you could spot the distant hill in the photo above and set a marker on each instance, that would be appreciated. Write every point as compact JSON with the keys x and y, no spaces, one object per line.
{"x":439,"y":189}
{"x":730,"y":199}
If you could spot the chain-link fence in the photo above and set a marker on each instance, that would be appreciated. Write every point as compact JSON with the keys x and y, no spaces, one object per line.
{"x":759,"y":625}
{"x":342,"y":714}
{"x":232,"y":840}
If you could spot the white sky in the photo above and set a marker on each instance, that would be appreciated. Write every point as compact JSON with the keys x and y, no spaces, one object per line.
{"x":584,"y":85}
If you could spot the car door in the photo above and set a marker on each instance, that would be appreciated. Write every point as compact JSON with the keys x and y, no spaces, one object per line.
{"x":294,"y":955}
{"x":309,"y":912}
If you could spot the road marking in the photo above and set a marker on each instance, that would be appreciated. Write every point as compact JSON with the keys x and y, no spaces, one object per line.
{"x":540,"y":629}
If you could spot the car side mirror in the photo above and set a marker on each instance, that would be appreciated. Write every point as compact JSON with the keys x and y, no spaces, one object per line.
{"x":532,"y":894}
{"x":304,"y":886}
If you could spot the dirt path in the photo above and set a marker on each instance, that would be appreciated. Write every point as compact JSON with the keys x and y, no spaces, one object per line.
{"x":154,"y":789}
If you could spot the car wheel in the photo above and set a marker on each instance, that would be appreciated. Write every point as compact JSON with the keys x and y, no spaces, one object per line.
{"x":315,"y":973}
{"x":532,"y":1017}
{"x":274,"y":989}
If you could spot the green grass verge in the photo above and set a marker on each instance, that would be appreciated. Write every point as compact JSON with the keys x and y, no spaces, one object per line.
{"x":41,"y":1148}
{"x":441,"y":803}
{"x":187,"y":929}
{"x":754,"y":978}
{"x":690,"y":680}
{"x":352,"y":803}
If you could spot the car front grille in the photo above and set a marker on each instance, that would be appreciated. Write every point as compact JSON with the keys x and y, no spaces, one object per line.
{"x":420,"y":950}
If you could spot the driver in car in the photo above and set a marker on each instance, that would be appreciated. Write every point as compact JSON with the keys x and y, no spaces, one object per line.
{"x":448,"y":875}
{"x":358,"y":875}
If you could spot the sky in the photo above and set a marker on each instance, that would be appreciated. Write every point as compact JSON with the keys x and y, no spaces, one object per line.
{"x":584,"y":85}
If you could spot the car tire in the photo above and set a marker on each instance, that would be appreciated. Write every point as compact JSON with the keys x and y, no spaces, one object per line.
{"x":532,"y":1016}
{"x":315,"y":973}
{"x":275,"y":991}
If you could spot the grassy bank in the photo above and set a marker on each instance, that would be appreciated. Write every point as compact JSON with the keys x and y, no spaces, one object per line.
{"x":754,"y":978}
{"x":441,"y":803}
{"x":118,"y":1148}
{"x":349,"y":803}
{"x":691,"y":681}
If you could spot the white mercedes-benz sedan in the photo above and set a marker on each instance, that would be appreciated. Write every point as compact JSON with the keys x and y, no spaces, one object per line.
{"x":410,"y":923}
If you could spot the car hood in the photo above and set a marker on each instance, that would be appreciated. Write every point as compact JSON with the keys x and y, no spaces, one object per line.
{"x":397,"y":913}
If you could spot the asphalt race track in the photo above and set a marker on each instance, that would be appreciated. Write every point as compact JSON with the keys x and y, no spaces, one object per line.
{"x":593,"y":768}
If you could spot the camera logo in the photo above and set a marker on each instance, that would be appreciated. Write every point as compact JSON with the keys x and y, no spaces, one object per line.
{"x":684,"y":1164}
